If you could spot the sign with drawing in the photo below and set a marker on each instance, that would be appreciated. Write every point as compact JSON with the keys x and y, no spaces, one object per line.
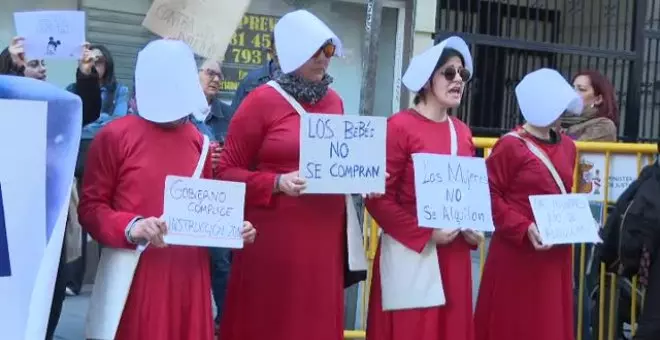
{"x":51,"y":34}
{"x":593,"y":179}
{"x":207,"y":26}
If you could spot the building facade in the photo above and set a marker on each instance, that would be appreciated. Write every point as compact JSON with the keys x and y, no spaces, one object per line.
{"x":513,"y":37}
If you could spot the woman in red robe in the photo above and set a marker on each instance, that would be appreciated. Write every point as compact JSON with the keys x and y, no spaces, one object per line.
{"x":122,"y":199}
{"x":438,"y":76}
{"x":290,"y":284}
{"x":526,"y":291}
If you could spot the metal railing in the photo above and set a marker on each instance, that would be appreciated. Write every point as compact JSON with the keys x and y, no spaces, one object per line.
{"x":608,"y":283}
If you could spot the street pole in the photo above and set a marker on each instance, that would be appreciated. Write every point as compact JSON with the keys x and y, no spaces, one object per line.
{"x":370,"y":56}
{"x":367,"y":101}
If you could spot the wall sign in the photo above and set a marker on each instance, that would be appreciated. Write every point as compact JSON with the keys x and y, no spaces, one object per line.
{"x":248,"y":49}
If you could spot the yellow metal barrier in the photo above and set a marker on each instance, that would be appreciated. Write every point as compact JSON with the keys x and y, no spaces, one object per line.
{"x":641,"y":151}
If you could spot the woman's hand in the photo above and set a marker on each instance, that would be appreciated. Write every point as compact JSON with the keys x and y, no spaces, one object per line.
{"x":87,"y":60}
{"x":249,"y":233}
{"x":291,"y":184}
{"x":376,"y":195}
{"x":17,"y":51}
{"x":473,"y":237}
{"x":150,"y":229}
{"x":535,"y":238}
{"x":444,"y":236}
{"x":216,"y":148}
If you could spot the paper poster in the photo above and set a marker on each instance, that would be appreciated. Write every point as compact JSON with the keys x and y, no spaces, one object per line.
{"x":452,"y":192}
{"x":204,"y":212}
{"x":623,"y":170}
{"x":51,"y":34}
{"x":342,"y":154}
{"x":564,"y":219}
{"x":36,"y":191}
{"x":206,"y":25}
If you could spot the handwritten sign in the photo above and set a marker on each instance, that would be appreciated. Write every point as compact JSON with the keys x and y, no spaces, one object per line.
{"x":202,"y":212}
{"x":452,"y":192}
{"x":51,"y":34}
{"x":564,"y":219}
{"x":206,"y":26}
{"x":248,"y":49}
{"x":342,"y":154}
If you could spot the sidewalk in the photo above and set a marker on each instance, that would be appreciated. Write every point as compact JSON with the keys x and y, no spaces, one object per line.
{"x":72,"y":320}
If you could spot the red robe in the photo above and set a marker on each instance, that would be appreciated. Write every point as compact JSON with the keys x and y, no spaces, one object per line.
{"x":409,"y":132}
{"x":125,"y":177}
{"x":525,"y":293}
{"x":289,"y":283}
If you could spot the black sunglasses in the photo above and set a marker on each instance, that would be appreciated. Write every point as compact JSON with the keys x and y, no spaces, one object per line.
{"x":450,"y":73}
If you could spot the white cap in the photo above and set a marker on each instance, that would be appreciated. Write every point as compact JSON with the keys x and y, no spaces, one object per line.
{"x":544,"y":95}
{"x":298,"y":35}
{"x":421,"y":67}
{"x":167,"y":86}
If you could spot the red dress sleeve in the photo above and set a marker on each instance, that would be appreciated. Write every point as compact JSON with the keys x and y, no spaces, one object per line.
{"x":502,"y":165}
{"x":473,"y":152}
{"x":95,"y":210}
{"x":390,"y":215}
{"x":244,"y":139}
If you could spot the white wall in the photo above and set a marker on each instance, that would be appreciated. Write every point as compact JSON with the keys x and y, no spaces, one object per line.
{"x":60,"y":73}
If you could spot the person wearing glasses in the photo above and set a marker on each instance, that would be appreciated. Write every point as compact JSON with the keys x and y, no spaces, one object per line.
{"x":526,"y":289}
{"x":407,"y":304}
{"x":290,"y":285}
{"x":215,"y":123}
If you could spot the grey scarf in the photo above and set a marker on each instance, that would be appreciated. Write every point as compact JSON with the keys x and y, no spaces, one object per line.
{"x":303,"y":90}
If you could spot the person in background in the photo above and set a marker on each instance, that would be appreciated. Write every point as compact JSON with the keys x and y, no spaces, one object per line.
{"x":257,"y":77}
{"x":215,"y":124}
{"x":598,"y":123}
{"x":12,"y":62}
{"x":438,"y":76}
{"x":526,"y":290}
{"x":122,"y":197}
{"x":114,"y":95}
{"x":600,"y":117}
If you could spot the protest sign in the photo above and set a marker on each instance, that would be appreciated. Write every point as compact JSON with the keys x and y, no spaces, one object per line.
{"x":51,"y":34}
{"x":564,"y":219}
{"x":36,"y":188}
{"x":452,"y":192}
{"x":342,"y":154}
{"x":203,"y":212}
{"x":207,"y":26}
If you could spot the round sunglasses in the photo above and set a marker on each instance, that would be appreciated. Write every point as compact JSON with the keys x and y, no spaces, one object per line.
{"x":450,"y":73}
{"x":328,"y":50}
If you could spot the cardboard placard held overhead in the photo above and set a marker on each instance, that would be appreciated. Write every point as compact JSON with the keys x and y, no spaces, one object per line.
{"x":206,"y":25}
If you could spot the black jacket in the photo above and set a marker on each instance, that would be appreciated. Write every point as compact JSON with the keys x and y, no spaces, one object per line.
{"x":633,"y":225}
